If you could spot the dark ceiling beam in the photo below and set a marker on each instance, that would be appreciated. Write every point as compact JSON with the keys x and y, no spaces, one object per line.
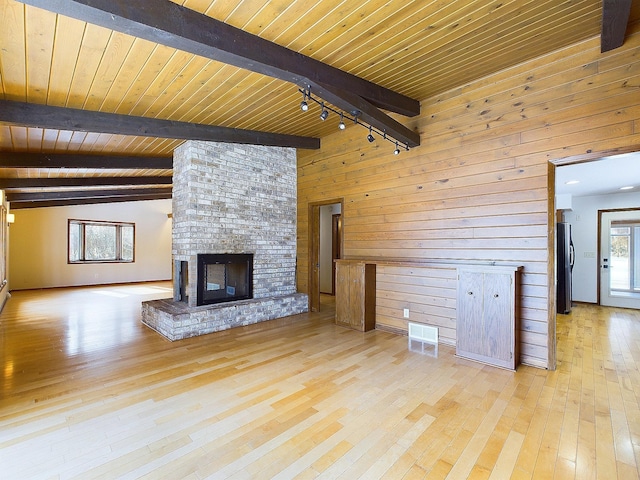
{"x":173,"y":25}
{"x":45,"y":116}
{"x":13,"y":183}
{"x":77,"y":194}
{"x":370,"y":115}
{"x":63,"y":160}
{"x":170,"y":24}
{"x":86,"y":201}
{"x":615,"y":17}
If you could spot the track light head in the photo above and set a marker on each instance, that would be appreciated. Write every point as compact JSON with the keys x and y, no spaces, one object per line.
{"x":324,"y":114}
{"x":370,"y":137}
{"x":397,"y":150}
{"x":304,"y":106}
{"x":341,"y":125}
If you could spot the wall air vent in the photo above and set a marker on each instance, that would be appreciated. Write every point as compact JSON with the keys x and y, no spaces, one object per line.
{"x":423,"y":333}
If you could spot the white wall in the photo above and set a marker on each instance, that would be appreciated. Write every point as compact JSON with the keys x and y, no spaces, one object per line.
{"x":38,"y":245}
{"x":326,"y":260}
{"x":584,"y":229}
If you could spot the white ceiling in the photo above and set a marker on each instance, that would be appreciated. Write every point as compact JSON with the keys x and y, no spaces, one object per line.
{"x":600,"y":177}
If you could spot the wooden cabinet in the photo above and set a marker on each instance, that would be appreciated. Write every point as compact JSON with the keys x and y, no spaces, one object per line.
{"x":486,"y":328}
{"x":356,"y":294}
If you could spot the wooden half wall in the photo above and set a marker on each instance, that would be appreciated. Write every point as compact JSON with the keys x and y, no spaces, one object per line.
{"x":480,"y":186}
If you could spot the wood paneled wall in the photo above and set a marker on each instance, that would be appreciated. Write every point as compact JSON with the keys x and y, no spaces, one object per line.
{"x":480,"y":186}
{"x":428,"y":292}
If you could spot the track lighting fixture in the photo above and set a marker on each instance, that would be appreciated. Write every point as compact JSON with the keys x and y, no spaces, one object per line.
{"x":353,"y":116}
{"x":304,"y":106}
{"x":370,"y":137}
{"x":324,"y":114}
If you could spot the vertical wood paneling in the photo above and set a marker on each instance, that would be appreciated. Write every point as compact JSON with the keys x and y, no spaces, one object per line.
{"x":92,"y":49}
{"x":112,"y":61}
{"x":13,"y":69}
{"x":478,"y":187}
{"x":39,"y":51}
{"x":68,"y":39}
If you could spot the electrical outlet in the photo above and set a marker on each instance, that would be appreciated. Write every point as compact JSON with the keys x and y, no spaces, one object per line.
{"x":406,"y":313}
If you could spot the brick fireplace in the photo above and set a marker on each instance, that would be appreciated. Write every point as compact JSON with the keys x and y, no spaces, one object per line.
{"x":231,"y":199}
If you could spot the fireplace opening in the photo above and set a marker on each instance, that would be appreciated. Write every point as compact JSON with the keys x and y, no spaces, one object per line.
{"x":224,"y":277}
{"x":181,"y":281}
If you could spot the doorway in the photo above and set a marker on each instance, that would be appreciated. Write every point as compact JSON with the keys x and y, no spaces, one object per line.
{"x":325,"y":245}
{"x":619,"y":253}
{"x":330,"y":240}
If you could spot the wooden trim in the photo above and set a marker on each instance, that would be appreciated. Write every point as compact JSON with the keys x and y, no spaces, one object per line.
{"x":87,"y":201}
{"x":598,"y":256}
{"x":314,"y":258}
{"x":64,"y":160}
{"x":615,"y":17}
{"x":551,"y":268}
{"x":313,"y":251}
{"x":595,"y":155}
{"x":369,"y":113}
{"x":427,"y":263}
{"x":46,"y":116}
{"x":394,"y":330}
{"x":15,"y":183}
{"x":336,"y":246}
{"x":71,"y":194}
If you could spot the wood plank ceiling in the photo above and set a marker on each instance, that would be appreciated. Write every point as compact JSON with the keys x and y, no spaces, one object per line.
{"x":417,"y":49}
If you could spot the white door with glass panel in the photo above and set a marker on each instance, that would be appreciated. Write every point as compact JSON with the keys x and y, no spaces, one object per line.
{"x":620,"y":259}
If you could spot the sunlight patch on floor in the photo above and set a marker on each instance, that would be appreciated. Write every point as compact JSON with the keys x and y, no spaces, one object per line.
{"x":125,"y":291}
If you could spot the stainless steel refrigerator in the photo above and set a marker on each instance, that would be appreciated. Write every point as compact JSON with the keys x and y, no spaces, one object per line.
{"x":566,"y":256}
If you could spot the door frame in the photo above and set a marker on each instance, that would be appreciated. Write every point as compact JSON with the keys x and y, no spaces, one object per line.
{"x":336,"y":246}
{"x":314,"y":250}
{"x":599,"y":245}
{"x":554,"y":215}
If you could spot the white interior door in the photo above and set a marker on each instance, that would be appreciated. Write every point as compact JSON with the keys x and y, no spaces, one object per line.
{"x":620,"y":259}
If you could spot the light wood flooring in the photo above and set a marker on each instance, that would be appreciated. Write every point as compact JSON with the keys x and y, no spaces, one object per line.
{"x":88,"y":392}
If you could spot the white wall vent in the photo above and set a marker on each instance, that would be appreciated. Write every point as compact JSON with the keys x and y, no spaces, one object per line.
{"x":423,"y":333}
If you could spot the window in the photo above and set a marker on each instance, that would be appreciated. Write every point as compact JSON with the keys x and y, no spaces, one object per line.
{"x":97,"y":242}
{"x":624,"y":274}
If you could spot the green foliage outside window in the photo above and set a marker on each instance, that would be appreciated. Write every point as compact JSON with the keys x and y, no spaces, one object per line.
{"x":94,"y":241}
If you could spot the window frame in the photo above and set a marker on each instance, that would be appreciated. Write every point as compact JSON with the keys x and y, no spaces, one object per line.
{"x":632,"y":254}
{"x":83,"y":224}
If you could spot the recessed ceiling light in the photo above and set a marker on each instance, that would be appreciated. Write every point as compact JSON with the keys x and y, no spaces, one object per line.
{"x":572,"y":182}
{"x":626,"y":188}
